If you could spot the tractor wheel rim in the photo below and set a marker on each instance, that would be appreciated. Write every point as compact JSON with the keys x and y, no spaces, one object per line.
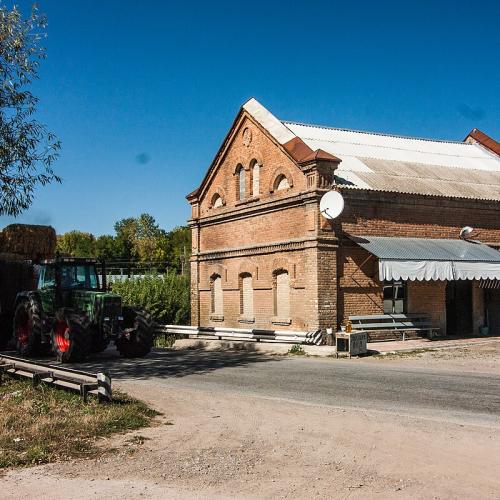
{"x":23,"y":333}
{"x":61,"y":334}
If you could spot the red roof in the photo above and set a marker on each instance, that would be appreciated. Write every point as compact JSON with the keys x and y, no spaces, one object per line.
{"x":319,"y":154}
{"x":484,"y":140}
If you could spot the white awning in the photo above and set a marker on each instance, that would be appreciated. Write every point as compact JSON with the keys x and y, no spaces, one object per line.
{"x":435,"y":270}
{"x":425,"y":259}
{"x":477,"y":270}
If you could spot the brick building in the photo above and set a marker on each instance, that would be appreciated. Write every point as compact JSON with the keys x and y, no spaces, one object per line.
{"x":264,"y":257}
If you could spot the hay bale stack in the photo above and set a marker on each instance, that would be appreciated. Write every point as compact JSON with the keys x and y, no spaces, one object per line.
{"x":29,"y":241}
{"x":12,"y":257}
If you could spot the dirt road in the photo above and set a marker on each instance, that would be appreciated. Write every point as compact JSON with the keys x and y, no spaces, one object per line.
{"x":249,"y":428}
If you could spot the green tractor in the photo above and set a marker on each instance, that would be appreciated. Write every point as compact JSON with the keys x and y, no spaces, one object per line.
{"x":72,"y":314}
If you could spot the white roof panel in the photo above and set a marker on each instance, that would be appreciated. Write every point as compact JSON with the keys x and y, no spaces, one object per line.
{"x":394,"y":163}
{"x":385,"y":147}
{"x":276,"y":128}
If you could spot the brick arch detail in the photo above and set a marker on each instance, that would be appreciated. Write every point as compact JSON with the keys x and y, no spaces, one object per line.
{"x":284,"y":264}
{"x":237,"y":167}
{"x":245,"y":164}
{"x":248,"y":267}
{"x":217,"y":269}
{"x":256,"y":158}
{"x":276,"y":173}
{"x":221,"y":192}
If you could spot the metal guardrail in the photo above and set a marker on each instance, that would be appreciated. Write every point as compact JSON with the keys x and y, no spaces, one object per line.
{"x":285,"y":336}
{"x":66,"y":378}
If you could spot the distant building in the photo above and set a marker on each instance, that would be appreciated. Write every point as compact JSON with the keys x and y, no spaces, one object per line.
{"x":264,"y":257}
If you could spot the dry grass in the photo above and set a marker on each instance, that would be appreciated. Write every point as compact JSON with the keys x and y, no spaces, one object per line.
{"x":47,"y":424}
{"x":415,"y":353}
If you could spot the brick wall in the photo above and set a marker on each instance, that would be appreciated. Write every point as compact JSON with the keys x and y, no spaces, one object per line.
{"x":428,"y":297}
{"x":393,"y":214}
{"x":330,"y":278}
{"x":262,"y":150}
{"x":261,"y":269}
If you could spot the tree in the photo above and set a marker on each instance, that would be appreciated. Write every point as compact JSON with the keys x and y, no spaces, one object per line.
{"x":138,"y":240}
{"x":27,"y":149}
{"x":126,"y":233}
{"x":142,"y":235}
{"x":106,"y":247}
{"x":76,"y":244}
{"x":179,"y":248}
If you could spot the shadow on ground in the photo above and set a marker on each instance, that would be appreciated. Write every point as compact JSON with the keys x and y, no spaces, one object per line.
{"x":169,"y":363}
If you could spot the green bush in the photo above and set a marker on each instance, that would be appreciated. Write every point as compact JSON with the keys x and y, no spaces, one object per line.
{"x":297,"y":350}
{"x":166,"y":296}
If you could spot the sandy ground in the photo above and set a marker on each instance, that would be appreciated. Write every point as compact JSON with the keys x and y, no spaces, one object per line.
{"x":222,"y":445}
{"x":481,"y":357}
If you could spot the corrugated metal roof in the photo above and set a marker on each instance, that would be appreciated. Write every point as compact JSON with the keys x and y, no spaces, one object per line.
{"x":387,"y":147}
{"x":407,"y":165}
{"x":427,"y":249}
{"x":394,"y":163}
{"x":405,"y":177}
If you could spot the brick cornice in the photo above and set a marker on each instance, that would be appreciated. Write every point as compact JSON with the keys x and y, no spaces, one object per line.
{"x":258,"y":206}
{"x":266,"y":248}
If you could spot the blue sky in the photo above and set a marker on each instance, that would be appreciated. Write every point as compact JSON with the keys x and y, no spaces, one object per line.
{"x":141,"y":94}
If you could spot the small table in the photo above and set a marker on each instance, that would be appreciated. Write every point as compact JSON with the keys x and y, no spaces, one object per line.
{"x":354,"y":343}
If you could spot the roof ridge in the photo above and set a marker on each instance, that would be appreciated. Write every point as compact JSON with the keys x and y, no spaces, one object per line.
{"x":380,"y":146}
{"x":383,"y":134}
{"x":413,"y":193}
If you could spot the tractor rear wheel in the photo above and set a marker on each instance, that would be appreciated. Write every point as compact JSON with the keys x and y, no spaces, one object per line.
{"x":138,"y":338}
{"x":5,"y":330}
{"x":71,"y":338}
{"x":28,"y":328}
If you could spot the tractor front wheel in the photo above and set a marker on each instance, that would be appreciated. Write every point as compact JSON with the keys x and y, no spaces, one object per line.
{"x":99,"y":340}
{"x":28,"y":328}
{"x":137,"y":338}
{"x":71,"y":339}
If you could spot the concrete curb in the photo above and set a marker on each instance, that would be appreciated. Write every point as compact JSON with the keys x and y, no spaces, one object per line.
{"x":281,"y":349}
{"x":271,"y":348}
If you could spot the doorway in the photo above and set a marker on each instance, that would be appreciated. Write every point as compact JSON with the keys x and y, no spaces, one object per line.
{"x":493,"y":302}
{"x":459,"y":307}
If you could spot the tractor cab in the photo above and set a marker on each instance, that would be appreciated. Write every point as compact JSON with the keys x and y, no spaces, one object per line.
{"x":68,"y":274}
{"x":70,"y":282}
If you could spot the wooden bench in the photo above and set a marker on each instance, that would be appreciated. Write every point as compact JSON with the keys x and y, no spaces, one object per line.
{"x":388,"y":326}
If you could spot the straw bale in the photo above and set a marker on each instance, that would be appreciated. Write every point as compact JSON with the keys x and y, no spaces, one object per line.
{"x":31,"y":241}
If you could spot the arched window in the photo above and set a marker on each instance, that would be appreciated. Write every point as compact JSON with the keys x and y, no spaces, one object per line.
{"x":281,"y":289}
{"x":216,"y":295}
{"x":281,"y":182}
{"x":246,"y":295}
{"x":240,"y":182}
{"x":255,"y":179}
{"x":217,"y":201}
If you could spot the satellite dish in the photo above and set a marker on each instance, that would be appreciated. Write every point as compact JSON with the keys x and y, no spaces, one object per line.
{"x":465,"y":232}
{"x":331,"y":205}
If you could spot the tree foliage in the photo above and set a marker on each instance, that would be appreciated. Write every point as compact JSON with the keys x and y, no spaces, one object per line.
{"x":77,"y":243}
{"x":27,"y":149}
{"x":166,"y":296}
{"x":136,"y":239}
{"x":142,"y":235}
